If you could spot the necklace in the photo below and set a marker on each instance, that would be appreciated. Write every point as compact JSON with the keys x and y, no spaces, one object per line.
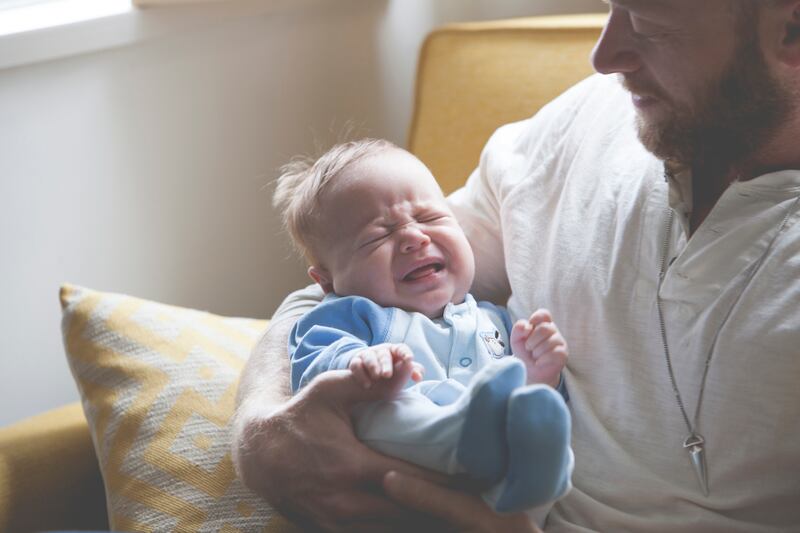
{"x":694,"y":443}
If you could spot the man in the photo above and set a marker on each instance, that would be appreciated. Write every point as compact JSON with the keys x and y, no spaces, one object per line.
{"x":661,"y":227}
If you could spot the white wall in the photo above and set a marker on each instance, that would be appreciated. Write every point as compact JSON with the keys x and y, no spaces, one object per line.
{"x":142,"y":169}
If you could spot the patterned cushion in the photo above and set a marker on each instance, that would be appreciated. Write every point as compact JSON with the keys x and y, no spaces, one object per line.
{"x":158,"y":385}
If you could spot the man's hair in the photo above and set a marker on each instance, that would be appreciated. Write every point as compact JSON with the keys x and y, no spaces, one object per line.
{"x":302,"y":182}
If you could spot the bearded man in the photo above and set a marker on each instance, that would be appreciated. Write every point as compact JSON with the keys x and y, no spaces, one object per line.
{"x":656,"y":211}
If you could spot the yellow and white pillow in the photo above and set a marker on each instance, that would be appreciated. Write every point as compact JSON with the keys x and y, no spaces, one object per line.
{"x":158,"y":384}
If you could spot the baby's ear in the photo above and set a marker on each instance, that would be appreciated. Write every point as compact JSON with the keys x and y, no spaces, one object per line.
{"x":322,"y":277}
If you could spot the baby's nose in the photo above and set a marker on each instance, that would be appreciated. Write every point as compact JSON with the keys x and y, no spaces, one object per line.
{"x":413,"y":239}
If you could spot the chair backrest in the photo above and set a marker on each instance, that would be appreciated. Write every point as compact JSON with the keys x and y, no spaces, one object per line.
{"x":474,"y":77}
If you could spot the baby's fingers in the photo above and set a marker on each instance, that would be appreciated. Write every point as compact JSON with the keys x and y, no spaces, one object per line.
{"x":553,"y":344}
{"x":372,"y":363}
{"x":519,"y":334}
{"x":540,"y":316}
{"x":417,"y":371}
{"x":401,"y":352}
{"x":359,"y":372}
{"x":541,"y":333}
{"x":384,"y":360}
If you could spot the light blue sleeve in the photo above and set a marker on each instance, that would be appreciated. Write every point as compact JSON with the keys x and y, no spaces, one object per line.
{"x":327,"y":337}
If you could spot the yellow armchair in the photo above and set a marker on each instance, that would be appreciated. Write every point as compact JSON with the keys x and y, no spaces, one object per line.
{"x":49,"y":476}
{"x":472,"y":78}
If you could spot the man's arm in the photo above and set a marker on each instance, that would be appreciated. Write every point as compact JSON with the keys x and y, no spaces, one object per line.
{"x":465,"y":513}
{"x":300,"y":453}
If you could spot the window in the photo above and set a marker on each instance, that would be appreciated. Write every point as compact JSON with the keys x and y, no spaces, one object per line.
{"x":19,"y":16}
{"x":11,"y":4}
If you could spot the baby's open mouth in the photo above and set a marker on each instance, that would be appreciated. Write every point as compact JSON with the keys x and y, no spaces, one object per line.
{"x":423,"y":271}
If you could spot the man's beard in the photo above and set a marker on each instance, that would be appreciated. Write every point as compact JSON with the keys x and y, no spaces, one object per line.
{"x":736,"y":115}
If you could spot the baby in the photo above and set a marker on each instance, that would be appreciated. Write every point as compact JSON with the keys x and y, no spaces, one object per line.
{"x":396,"y":268}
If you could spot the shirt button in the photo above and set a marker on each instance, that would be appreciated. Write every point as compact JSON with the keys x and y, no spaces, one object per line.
{"x":465,"y":361}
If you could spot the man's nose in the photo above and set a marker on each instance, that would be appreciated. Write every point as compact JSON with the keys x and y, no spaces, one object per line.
{"x":615,"y":52}
{"x":413,"y":238}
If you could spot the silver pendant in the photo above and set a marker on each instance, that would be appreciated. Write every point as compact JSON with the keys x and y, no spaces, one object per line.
{"x":695,"y":445}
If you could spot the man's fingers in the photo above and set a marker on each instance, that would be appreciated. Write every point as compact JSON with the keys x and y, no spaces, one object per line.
{"x":460,"y":510}
{"x":350,"y":511}
{"x":340,"y":390}
{"x":373,"y":467}
{"x":424,"y":496}
{"x":363,"y":511}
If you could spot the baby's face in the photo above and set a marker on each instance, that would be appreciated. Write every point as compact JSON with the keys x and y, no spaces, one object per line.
{"x":388,"y":235}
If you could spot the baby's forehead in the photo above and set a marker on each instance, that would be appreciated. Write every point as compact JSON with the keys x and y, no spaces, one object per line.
{"x":368,"y":198}
{"x":386,"y":172}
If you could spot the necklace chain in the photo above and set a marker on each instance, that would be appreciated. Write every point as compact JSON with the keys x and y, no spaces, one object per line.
{"x":695,"y":442}
{"x":662,"y":323}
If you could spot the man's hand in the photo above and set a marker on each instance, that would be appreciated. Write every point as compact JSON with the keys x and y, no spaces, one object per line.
{"x":305,"y":460}
{"x":300,"y":453}
{"x":463,"y":512}
{"x":539,"y":344}
{"x":386,"y":362}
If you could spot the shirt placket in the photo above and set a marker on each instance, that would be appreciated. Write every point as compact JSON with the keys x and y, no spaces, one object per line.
{"x":461,"y":360}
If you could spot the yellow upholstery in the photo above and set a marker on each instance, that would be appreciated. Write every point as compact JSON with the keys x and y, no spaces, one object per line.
{"x":49,"y":477}
{"x":475,"y":77}
{"x":472,"y":78}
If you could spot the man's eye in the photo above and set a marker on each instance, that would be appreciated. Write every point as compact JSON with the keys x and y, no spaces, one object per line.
{"x":645,"y":29}
{"x":649,"y":36}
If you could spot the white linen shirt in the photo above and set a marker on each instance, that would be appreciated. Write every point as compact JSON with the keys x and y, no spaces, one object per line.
{"x":569,"y":211}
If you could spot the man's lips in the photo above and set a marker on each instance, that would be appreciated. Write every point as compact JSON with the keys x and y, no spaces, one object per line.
{"x":641,"y":93}
{"x":423,"y":269}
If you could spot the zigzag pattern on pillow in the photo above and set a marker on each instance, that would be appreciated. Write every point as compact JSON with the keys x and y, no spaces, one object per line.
{"x":158,"y":385}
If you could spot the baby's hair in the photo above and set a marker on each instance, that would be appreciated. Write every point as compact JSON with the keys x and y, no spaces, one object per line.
{"x":302,"y":181}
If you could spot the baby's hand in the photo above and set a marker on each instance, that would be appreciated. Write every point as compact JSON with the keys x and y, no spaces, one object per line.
{"x":541,"y":347}
{"x":392,"y":362}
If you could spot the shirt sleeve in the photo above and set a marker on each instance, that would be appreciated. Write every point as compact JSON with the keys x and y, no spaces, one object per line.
{"x":512,"y":154}
{"x":329,"y":335}
{"x":477,"y":210}
{"x":298,"y":303}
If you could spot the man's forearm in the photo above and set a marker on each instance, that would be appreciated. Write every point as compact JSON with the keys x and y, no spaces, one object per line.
{"x":265,"y":378}
{"x":264,"y":385}
{"x":264,"y":388}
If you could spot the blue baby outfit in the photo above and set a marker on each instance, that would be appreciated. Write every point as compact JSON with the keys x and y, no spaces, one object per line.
{"x":455,"y":346}
{"x":457,"y":419}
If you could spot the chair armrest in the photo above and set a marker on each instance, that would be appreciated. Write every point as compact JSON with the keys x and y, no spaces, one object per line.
{"x":49,"y":476}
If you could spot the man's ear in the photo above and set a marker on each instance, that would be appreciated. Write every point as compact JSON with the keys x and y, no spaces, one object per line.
{"x":788,"y":12}
{"x":322,"y":277}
